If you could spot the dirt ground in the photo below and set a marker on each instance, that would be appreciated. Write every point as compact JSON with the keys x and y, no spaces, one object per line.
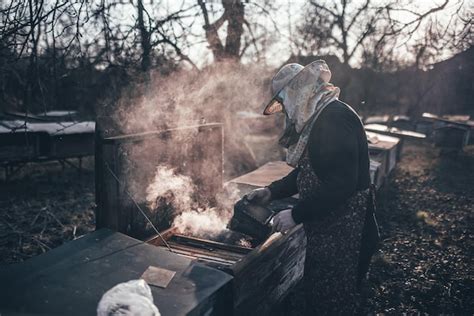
{"x":44,"y":206}
{"x":425,"y":215}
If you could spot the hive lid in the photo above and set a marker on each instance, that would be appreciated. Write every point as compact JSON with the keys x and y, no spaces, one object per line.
{"x":264,"y":175}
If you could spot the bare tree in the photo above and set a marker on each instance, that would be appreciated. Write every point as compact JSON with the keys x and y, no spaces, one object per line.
{"x":234,"y":16}
{"x":347,"y":25}
{"x":26,"y":29}
{"x":144,"y":37}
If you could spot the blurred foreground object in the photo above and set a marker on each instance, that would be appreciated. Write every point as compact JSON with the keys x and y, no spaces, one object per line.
{"x":131,"y":298}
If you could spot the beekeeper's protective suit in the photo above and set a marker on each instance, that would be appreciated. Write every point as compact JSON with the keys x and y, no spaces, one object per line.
{"x":327,"y":145}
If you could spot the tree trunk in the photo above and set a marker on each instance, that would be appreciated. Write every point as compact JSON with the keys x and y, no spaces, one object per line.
{"x":235,"y":13}
{"x":145,"y":38}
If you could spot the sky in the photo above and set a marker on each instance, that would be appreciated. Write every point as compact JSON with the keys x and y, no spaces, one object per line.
{"x":281,"y":47}
{"x":277,"y":28}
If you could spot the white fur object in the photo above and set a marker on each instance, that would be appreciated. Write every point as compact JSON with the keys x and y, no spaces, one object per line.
{"x":132,"y":298}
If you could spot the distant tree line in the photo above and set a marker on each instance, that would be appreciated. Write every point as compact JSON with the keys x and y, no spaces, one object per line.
{"x":75,"y":54}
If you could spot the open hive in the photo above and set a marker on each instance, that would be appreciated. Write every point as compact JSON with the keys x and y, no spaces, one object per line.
{"x":263,"y":270}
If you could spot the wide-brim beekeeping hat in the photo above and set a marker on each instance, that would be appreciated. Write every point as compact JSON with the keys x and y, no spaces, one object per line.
{"x":280,"y":81}
{"x":297,"y":82}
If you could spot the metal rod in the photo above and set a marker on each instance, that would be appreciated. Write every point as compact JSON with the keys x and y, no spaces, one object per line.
{"x":138,"y":207}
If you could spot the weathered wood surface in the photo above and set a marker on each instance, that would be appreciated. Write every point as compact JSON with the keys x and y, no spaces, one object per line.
{"x":72,"y":145}
{"x":23,"y":141}
{"x":393,"y":131}
{"x":263,"y":276}
{"x":21,"y":146}
{"x":71,"y":279}
{"x":266,"y":275}
{"x":428,"y":122}
{"x":265,"y":174}
{"x":451,"y":136}
{"x":377,"y":119}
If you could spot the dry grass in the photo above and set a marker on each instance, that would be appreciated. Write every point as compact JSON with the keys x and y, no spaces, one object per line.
{"x":42,"y":207}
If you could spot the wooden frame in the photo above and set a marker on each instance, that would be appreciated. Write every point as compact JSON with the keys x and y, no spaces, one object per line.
{"x":262,"y":275}
{"x":194,"y":151}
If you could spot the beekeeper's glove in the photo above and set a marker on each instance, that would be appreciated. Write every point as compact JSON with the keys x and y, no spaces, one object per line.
{"x":283,"y":221}
{"x":261,"y":196}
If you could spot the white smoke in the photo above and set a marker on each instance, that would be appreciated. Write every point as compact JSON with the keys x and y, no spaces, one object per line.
{"x":179,"y":191}
{"x":167,"y":182}
{"x":202,"y":222}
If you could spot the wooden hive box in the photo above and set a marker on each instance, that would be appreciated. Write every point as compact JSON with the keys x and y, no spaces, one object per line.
{"x":262,"y":276}
{"x":385,"y":150}
{"x":59,"y":115}
{"x":288,"y":251}
{"x":66,"y":139}
{"x":377,"y":175}
{"x":426,"y":123}
{"x":402,"y":122}
{"x":452,"y":136}
{"x":471,"y":132}
{"x":19,"y":146}
{"x":449,"y":131}
{"x":74,"y":140}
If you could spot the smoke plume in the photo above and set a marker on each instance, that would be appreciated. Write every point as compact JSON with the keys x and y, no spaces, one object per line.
{"x":228,"y":93}
{"x":159,"y":175}
{"x":190,"y":218}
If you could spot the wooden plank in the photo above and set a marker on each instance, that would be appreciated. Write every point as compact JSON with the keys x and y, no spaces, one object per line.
{"x":393,"y":131}
{"x":264,"y":277}
{"x":459,"y":120}
{"x":212,"y":244}
{"x":264,"y":175}
{"x":126,"y":138}
{"x":380,"y":119}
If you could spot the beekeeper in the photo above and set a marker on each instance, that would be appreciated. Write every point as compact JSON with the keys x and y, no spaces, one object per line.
{"x":327,"y":146}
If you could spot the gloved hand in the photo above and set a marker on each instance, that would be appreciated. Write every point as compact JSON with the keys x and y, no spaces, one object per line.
{"x":261,"y":196}
{"x":283,"y":221}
